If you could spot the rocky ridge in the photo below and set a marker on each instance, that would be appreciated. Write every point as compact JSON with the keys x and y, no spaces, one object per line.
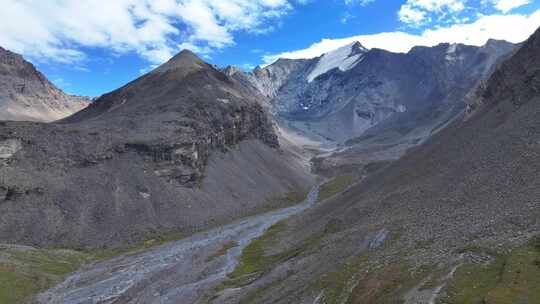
{"x":358,"y":91}
{"x":25,"y":94}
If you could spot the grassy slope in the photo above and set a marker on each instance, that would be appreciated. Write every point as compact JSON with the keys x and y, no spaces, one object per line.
{"x":335,"y":186}
{"x":255,"y":262}
{"x":361,"y":280}
{"x":24,"y":272}
{"x":510,"y":279}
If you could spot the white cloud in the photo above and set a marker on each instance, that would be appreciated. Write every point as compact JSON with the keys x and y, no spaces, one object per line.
{"x":411,"y":15}
{"x":438,"y":5}
{"x":415,"y":12}
{"x":155,"y":29}
{"x":514,"y":28}
{"x":419,"y":13}
{"x":361,"y":2}
{"x":347,"y":17}
{"x":508,"y":5}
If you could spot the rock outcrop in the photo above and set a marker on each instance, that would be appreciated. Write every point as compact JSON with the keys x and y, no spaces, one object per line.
{"x":25,"y":94}
{"x":516,"y":80}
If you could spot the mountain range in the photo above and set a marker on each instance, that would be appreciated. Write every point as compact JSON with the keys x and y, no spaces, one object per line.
{"x":346,"y":93}
{"x":425,"y":164}
{"x":449,"y":222}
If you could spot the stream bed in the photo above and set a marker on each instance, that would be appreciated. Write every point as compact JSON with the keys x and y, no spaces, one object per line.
{"x":178,"y":272}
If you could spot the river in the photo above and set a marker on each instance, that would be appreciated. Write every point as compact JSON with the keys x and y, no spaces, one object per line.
{"x":179,"y":272}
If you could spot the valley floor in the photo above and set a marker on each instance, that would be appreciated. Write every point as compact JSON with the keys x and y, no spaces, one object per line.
{"x":185,"y":271}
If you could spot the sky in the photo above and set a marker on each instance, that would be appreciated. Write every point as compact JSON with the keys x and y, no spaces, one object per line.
{"x":91,"y":47}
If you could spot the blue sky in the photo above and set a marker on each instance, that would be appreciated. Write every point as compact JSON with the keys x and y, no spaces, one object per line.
{"x":90,"y":47}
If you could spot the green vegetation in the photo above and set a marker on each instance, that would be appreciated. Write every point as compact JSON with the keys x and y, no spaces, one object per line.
{"x":289,"y":199}
{"x":508,"y":279}
{"x":255,"y":296}
{"x":338,"y":285}
{"x":335,"y":186}
{"x":255,"y":262}
{"x":25,"y":271}
{"x":222,"y":251}
{"x":473,"y":282}
{"x":362,"y":280}
{"x":437,"y":277}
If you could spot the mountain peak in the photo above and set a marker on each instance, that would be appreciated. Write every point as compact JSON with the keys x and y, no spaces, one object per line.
{"x":186,"y":60}
{"x":230,"y":70}
{"x":357,"y":47}
{"x":343,"y":58}
{"x":497,"y":43}
{"x":186,"y":54}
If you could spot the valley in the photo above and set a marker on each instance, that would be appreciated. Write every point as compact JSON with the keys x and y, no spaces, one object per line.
{"x":184,"y":271}
{"x":359,"y":176}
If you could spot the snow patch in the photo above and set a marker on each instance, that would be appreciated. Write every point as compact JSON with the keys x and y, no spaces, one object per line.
{"x":343,"y":58}
{"x":451,"y":54}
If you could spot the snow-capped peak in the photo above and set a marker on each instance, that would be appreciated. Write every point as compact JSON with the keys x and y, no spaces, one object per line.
{"x":344,"y":58}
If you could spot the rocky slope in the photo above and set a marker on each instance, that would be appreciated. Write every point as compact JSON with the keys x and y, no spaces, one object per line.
{"x":25,"y":94}
{"x":437,"y":226}
{"x":182,"y":148}
{"x":352,"y":91}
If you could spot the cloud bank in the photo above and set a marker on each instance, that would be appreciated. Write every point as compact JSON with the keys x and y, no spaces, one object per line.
{"x":56,"y":30}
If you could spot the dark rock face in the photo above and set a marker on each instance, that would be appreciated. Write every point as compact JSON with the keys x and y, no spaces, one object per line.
{"x":356,"y":91}
{"x":177,"y":149}
{"x":177,"y":114}
{"x":25,"y":94}
{"x":517,"y":79}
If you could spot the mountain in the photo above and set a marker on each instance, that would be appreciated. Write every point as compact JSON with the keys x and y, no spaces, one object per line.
{"x":448,"y":76}
{"x":343,"y":59}
{"x":453,"y":221}
{"x":352,"y":91}
{"x":180,"y":149}
{"x":25,"y":94}
{"x":372,"y":105}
